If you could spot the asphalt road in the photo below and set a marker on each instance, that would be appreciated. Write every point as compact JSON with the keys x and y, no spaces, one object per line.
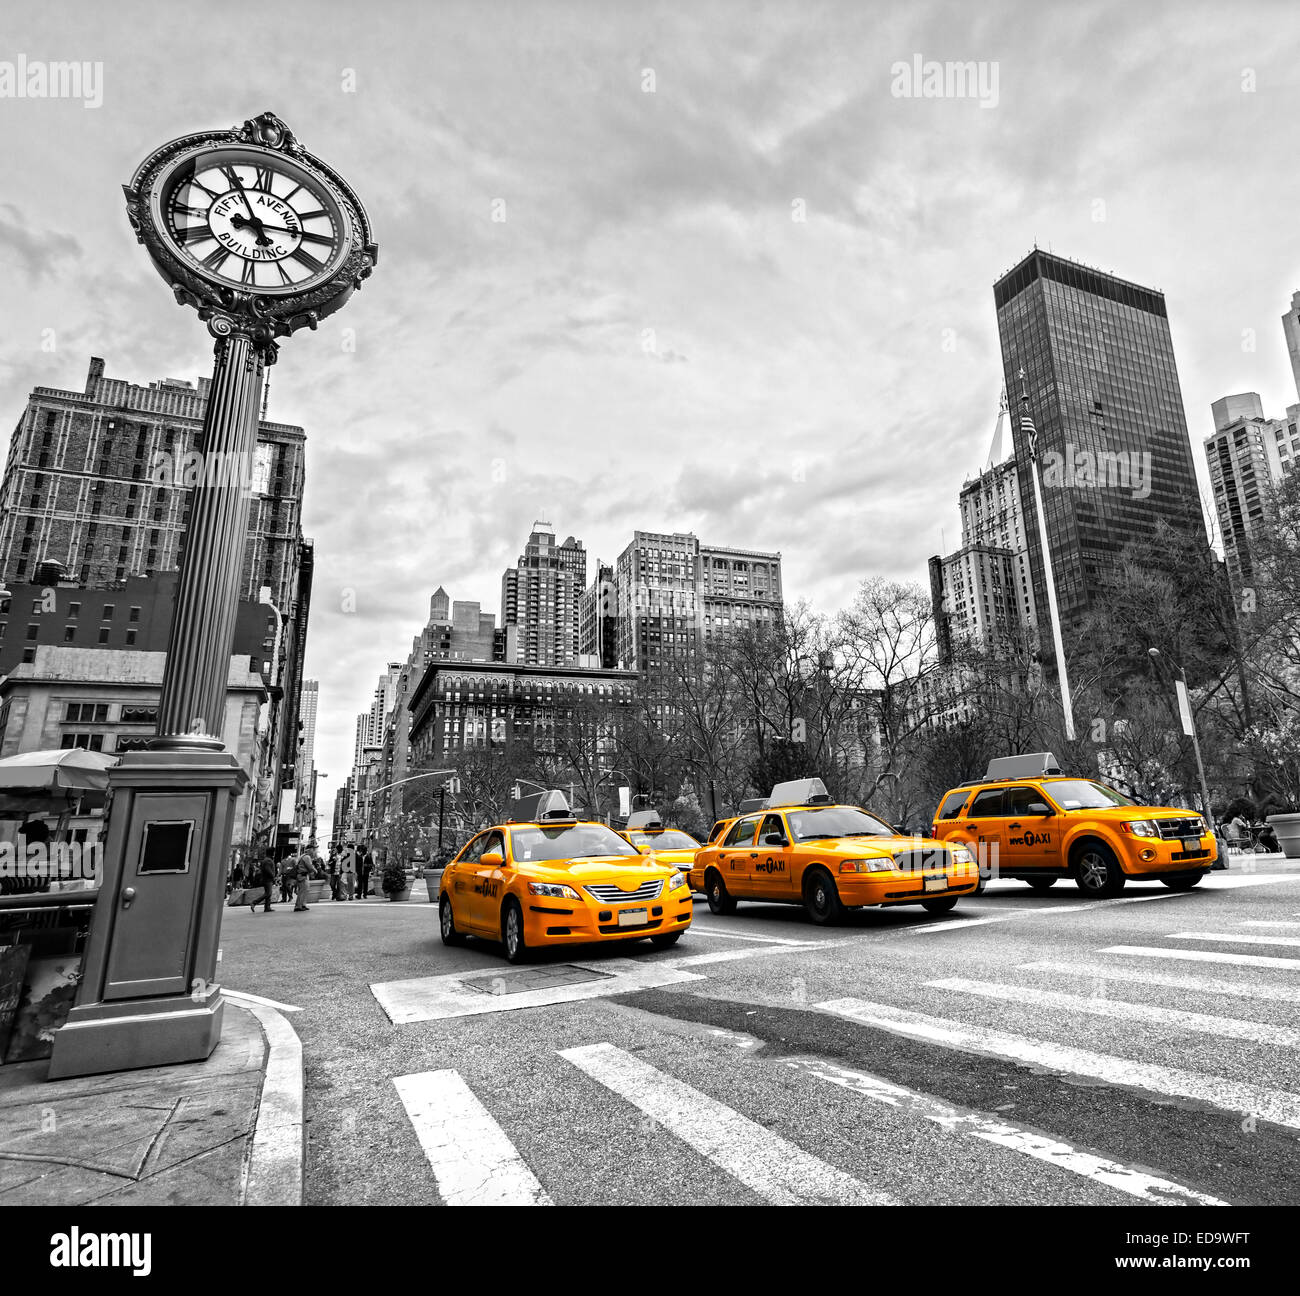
{"x":1024,"y":1049}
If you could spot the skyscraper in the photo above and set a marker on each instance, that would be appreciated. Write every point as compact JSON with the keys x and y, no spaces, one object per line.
{"x":540,"y":596}
{"x":1112,"y":432}
{"x":1291,"y":327}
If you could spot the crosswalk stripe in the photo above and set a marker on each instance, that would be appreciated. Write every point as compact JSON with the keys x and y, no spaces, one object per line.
{"x":473,"y":1161}
{"x":949,"y":925}
{"x":1198,"y":985}
{"x":1276,"y":1105}
{"x":1223,"y":1027}
{"x":1205,"y":956}
{"x":701,"y":930}
{"x":1229,"y":939}
{"x":963,"y":1120}
{"x":769,"y":1165}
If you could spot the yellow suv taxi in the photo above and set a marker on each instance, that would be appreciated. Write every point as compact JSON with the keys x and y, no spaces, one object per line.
{"x":801,"y":848}
{"x":545,"y":878}
{"x":1027,"y":820}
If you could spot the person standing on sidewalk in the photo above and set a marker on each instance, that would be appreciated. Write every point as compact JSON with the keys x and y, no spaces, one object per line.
{"x":302,"y":875}
{"x":364,"y":865}
{"x":349,"y":866}
{"x":336,"y":877}
{"x":268,"y":881}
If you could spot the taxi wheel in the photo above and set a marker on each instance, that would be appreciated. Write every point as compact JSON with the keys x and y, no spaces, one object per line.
{"x":940,"y":904}
{"x":721,"y":901}
{"x":820,"y":898}
{"x":447,"y":924}
{"x":1097,"y":872}
{"x":1042,"y":884}
{"x":512,"y":933}
{"x":665,"y":939}
{"x":1182,"y":883}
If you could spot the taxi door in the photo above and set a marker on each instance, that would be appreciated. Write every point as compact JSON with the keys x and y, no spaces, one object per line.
{"x":771,"y":861}
{"x":734,"y":856}
{"x":465,"y":900}
{"x":489,"y":884}
{"x":1031,"y":835}
{"x":986,"y":824}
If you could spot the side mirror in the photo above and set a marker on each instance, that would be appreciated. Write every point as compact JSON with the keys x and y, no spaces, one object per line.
{"x":1038,"y":808}
{"x":492,"y":859}
{"x":773,"y":839}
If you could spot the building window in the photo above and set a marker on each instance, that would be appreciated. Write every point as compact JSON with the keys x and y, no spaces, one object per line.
{"x":33,"y":631}
{"x":135,"y":614}
{"x":29,"y":654}
{"x":130,"y":637}
{"x":74,"y":611}
{"x":69,"y":633}
{"x":87,"y":713}
{"x":103,"y":634}
{"x":86,"y":741}
{"x":108,"y":612}
{"x":139,"y":715}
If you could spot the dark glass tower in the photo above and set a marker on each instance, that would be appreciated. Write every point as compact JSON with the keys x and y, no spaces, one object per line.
{"x":1112,"y":434}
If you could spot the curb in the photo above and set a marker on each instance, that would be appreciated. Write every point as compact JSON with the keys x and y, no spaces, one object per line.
{"x":274,"y":1175}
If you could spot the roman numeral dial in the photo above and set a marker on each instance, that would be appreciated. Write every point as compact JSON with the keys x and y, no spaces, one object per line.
{"x":254,"y":219}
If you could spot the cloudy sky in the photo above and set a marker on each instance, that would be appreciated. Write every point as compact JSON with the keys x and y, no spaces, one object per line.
{"x":741,"y":287}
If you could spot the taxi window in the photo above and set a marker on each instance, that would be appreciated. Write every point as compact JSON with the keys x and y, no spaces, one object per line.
{"x":772,"y":824}
{"x":492,"y":841}
{"x":988,"y":803}
{"x":1026,"y":801}
{"x":952,"y":804}
{"x":742,"y":833}
{"x":471,"y":853}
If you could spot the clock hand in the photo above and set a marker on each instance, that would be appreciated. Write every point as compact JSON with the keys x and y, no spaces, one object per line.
{"x":238,"y":222}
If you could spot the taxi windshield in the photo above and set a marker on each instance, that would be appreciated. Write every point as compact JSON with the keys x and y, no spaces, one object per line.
{"x":566,"y":842}
{"x":836,"y":821}
{"x":669,"y":839}
{"x":1084,"y":794}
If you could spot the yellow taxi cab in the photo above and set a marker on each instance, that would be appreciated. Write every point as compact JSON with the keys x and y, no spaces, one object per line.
{"x":546,"y":878}
{"x":1027,"y":820}
{"x":645,"y":830}
{"x":801,"y":848}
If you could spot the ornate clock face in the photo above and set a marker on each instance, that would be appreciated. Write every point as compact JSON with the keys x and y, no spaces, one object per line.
{"x":253,"y":219}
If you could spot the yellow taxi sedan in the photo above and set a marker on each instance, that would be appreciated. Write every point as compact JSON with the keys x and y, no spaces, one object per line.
{"x":646,"y":831}
{"x":545,"y":878}
{"x":801,"y":848}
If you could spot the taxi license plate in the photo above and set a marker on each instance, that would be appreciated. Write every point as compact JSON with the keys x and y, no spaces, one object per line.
{"x":1191,"y":843}
{"x":936,"y":884}
{"x":632,"y":918}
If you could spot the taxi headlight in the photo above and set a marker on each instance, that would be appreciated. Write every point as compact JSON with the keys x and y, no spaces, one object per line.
{"x":1141,"y":828}
{"x":557,"y":890}
{"x":866,"y":865}
{"x":676,"y":881}
{"x":960,"y":855}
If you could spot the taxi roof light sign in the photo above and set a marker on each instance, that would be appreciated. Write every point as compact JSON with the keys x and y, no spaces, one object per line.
{"x":540,"y":807}
{"x":645,"y":819}
{"x":805,"y":791}
{"x":1027,"y":765}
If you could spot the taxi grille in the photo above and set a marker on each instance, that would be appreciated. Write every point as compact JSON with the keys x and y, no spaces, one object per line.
{"x":610,"y":894}
{"x":917,"y":861}
{"x":1173,"y":828}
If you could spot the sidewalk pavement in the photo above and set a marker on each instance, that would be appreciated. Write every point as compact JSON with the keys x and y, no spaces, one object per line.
{"x":227,"y":1131}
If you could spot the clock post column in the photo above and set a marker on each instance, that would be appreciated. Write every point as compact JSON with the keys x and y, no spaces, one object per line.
{"x":149,"y":993}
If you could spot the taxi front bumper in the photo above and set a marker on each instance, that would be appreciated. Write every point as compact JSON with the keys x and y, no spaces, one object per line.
{"x":1157,"y":857}
{"x":550,"y":920}
{"x":900,"y":886}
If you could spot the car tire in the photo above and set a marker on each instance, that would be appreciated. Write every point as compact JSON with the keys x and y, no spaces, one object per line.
{"x":512,"y":933}
{"x":665,"y":940}
{"x":721,"y":901}
{"x":447,"y":924}
{"x":1097,"y":872}
{"x":940,"y":904}
{"x":821,"y":899}
{"x":1042,"y":884}
{"x":1182,"y":883}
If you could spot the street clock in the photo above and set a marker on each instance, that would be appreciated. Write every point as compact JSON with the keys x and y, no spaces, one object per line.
{"x":250,"y":229}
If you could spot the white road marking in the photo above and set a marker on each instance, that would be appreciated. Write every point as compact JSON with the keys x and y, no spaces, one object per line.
{"x":962,"y":1120}
{"x":245,"y":997}
{"x":1222,"y":1027}
{"x":1197,"y":985}
{"x":473,"y":1161}
{"x":1259,"y":923}
{"x":1276,"y":1105}
{"x":1228,"y":881}
{"x":438,"y":997}
{"x":701,"y":930}
{"x":1205,"y":956}
{"x":777,"y":1170}
{"x":1229,"y":939}
{"x":950,"y":924}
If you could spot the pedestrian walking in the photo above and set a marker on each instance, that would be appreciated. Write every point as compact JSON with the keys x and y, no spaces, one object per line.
{"x":267,"y":874}
{"x":365,"y":864}
{"x":288,"y":877}
{"x":302,"y":875}
{"x":349,"y":874}
{"x":336,"y":877}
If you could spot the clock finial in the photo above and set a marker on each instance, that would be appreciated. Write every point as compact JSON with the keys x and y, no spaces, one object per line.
{"x":269,"y":130}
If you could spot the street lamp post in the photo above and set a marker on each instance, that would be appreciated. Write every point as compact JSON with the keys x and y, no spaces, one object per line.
{"x":1049,"y":578}
{"x":261,"y":238}
{"x":1189,"y":728}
